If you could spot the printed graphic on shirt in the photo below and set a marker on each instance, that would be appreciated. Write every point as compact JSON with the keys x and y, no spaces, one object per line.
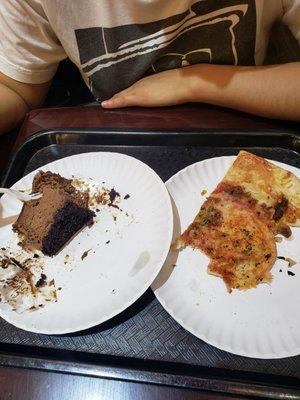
{"x":114,"y":58}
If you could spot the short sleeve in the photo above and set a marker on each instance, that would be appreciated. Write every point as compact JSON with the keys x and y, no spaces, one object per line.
{"x":291,"y":16}
{"x":29,"y":49}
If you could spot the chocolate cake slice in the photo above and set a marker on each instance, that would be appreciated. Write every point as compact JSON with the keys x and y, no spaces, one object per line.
{"x":48,"y":223}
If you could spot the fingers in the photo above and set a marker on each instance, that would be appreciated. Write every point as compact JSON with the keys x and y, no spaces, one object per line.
{"x":119,"y":100}
{"x":114,"y":103}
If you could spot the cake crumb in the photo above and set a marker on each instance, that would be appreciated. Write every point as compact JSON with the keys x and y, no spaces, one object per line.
{"x":113,"y":194}
{"x":85,"y":254}
{"x":42,"y":281}
{"x":91,"y":223}
{"x":115,"y":206}
{"x":203,"y":192}
{"x":126,"y":196}
{"x":290,"y":262}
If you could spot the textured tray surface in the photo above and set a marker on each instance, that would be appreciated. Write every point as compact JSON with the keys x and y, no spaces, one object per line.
{"x":146,"y":330}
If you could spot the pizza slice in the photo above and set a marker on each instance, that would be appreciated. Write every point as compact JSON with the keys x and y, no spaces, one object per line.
{"x":237,"y":224}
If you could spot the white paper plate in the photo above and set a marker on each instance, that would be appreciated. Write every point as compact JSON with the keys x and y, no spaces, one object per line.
{"x":114,"y":274}
{"x":262,"y":322}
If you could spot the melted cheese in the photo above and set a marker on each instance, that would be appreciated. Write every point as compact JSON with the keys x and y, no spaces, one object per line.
{"x":267,"y":183}
{"x":236,"y":225}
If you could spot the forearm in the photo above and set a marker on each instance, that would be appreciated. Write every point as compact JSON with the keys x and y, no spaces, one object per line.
{"x":270,"y":91}
{"x":12,"y":109}
{"x":16,"y":99}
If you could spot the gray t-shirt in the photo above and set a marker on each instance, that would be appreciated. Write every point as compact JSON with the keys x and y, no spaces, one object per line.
{"x":116,"y":42}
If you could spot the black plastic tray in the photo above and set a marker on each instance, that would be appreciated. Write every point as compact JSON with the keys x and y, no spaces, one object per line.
{"x":144,"y":343}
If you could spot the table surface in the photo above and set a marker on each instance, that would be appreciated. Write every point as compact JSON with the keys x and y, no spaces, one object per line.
{"x":17,"y":383}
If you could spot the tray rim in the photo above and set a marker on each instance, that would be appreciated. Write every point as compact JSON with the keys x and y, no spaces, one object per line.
{"x":158,"y":373}
{"x":40,"y":135}
{"x":246,"y":387}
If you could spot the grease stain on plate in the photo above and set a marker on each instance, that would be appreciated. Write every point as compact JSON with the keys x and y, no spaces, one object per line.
{"x":140,"y":263}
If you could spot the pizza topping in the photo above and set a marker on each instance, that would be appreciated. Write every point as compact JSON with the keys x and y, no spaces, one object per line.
{"x":212,"y":217}
{"x":236,"y":191}
{"x":284,"y":230}
{"x":280,"y":209}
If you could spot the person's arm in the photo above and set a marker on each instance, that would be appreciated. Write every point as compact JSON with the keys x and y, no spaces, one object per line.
{"x":16,"y":99}
{"x":29,"y":55}
{"x":270,"y":91}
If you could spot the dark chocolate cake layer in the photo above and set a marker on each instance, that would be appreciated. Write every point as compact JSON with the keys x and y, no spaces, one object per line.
{"x":48,"y":223}
{"x":69,"y":219}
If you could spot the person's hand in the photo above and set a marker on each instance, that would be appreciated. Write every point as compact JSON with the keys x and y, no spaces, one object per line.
{"x":162,"y":89}
{"x":263,"y":91}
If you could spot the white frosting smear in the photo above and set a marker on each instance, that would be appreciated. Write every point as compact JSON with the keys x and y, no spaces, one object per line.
{"x":23,"y":285}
